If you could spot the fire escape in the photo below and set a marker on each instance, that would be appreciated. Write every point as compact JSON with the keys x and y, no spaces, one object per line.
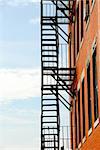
{"x":57,"y":73}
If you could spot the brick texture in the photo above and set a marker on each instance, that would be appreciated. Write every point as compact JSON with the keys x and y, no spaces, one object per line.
{"x":91,"y":32}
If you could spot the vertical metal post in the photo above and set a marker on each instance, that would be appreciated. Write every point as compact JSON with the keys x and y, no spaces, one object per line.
{"x":41,"y":70}
{"x":67,"y":138}
{"x":57,"y":48}
{"x":54,"y":143}
{"x":63,"y":136}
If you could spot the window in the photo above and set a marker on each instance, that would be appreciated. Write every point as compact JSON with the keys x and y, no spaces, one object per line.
{"x":92,"y":1}
{"x":89,"y":99}
{"x":70,"y":54}
{"x":72,"y":130}
{"x":95,"y":86}
{"x":79,"y":117}
{"x":75,"y":124}
{"x":81,"y":19}
{"x":77,"y":29}
{"x":87,"y":10}
{"x":83,"y":108}
{"x":74,"y":44}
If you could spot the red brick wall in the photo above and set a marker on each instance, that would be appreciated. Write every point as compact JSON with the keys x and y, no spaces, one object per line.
{"x":91,"y":31}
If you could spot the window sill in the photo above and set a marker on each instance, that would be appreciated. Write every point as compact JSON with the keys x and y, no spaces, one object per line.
{"x":79,"y":145}
{"x":96,"y":123}
{"x":92,"y":6}
{"x":77,"y":56}
{"x":84,"y":139}
{"x":90,"y":131}
{"x":87,"y":23}
{"x":81,"y":43}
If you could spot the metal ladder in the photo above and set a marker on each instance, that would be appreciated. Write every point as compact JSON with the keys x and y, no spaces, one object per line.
{"x":50,"y":104}
{"x":52,"y":76}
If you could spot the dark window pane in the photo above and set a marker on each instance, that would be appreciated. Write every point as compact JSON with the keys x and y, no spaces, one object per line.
{"x":74,"y":45}
{"x":83,"y":108}
{"x":95,"y":86}
{"x":81,"y":19}
{"x":87,"y":10}
{"x":89,"y":99}
{"x":79,"y":117}
{"x":78,"y":29}
{"x":76,"y":124}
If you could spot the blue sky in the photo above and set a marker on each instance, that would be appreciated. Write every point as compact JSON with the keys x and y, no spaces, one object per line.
{"x":19,"y":35}
{"x":20,"y":75}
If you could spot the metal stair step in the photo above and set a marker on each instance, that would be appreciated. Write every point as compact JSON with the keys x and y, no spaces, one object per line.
{"x":49,"y":110}
{"x":49,"y":116}
{"x":48,"y":94}
{"x":49,"y":128}
{"x":51,"y":147}
{"x":49,"y":99}
{"x":49,"y":50}
{"x":49,"y":104}
{"x":51,"y":61}
{"x":50,"y":34}
{"x":48,"y":23}
{"x":49,"y":56}
{"x":49,"y":124}
{"x":47,"y":17}
{"x":49,"y":141}
{"x":48,"y":29}
{"x":47,"y":88}
{"x":48,"y":44}
{"x":49,"y":68}
{"x":50,"y":134}
{"x":49,"y":39}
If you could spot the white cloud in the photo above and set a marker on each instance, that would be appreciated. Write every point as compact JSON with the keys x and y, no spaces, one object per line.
{"x":17,"y":121}
{"x":19,"y":84}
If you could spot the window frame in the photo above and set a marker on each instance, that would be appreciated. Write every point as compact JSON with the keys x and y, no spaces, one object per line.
{"x":76,"y":127}
{"x":89,"y":97}
{"x":87,"y":11}
{"x":78,"y":29}
{"x":79,"y":116}
{"x":82,"y":19}
{"x":95,"y":85}
{"x":83,"y":107}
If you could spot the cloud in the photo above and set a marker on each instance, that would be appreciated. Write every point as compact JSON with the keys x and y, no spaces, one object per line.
{"x":19,"y":83}
{"x":17,"y":121}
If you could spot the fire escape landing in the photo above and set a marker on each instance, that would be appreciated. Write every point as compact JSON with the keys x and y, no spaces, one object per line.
{"x":57,"y":75}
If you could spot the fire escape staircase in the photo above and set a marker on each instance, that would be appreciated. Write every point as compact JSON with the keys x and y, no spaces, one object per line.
{"x":55,"y":79}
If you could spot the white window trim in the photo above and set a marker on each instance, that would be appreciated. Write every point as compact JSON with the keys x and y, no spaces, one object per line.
{"x":79,"y":145}
{"x":94,"y":44}
{"x":81,"y":42}
{"x":78,"y":86}
{"x":87,"y":24}
{"x":88,"y":60}
{"x":96,"y":123}
{"x":92,"y":6}
{"x":82,"y":75}
{"x":90,"y":131}
{"x":84,"y":139}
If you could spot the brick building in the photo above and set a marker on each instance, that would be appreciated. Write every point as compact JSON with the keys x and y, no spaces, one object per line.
{"x":85,"y":56}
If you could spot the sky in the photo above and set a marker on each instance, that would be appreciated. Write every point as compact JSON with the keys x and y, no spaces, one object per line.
{"x":20,"y":77}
